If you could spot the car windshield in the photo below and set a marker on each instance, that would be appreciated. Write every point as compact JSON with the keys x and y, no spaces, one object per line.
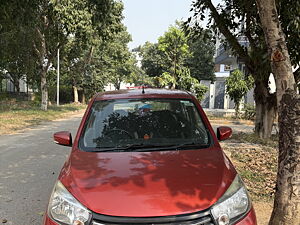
{"x":134,"y":124}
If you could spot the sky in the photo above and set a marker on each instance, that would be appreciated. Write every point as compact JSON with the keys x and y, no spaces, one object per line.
{"x":146,"y":20}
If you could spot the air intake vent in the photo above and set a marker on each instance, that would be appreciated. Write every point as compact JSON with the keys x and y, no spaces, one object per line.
{"x":200,"y":218}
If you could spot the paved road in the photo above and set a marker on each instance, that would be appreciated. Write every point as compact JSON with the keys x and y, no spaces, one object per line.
{"x":29,"y":165}
{"x":235,"y":125}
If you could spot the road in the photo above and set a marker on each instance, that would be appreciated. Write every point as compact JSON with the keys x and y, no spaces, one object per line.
{"x":29,"y":165}
{"x":237,"y":126}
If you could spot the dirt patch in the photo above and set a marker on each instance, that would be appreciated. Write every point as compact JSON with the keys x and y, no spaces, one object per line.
{"x":256,"y":161}
{"x":263,"y":211}
{"x":227,"y":121}
{"x":257,"y":165}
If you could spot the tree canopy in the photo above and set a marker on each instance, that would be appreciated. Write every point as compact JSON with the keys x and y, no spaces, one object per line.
{"x":237,"y":86}
{"x":179,"y":60}
{"x":89,"y":33}
{"x":201,"y":59}
{"x":152,"y":59}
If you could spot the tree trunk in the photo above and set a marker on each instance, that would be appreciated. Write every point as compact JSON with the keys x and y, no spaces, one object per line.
{"x":16,"y":83}
{"x":83,"y":100}
{"x":75,"y":91}
{"x":237,"y":109}
{"x":44,"y":61}
{"x":265,"y":109}
{"x":286,"y":209}
{"x":287,"y":197}
{"x":44,"y":90}
{"x":117,"y":84}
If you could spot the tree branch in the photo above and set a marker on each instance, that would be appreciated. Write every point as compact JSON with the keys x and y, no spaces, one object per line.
{"x":36,"y":49}
{"x":237,"y":48}
{"x":248,"y":33}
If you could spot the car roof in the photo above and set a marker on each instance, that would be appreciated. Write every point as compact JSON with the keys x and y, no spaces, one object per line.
{"x":138,"y":93}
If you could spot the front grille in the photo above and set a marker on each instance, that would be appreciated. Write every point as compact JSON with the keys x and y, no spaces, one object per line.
{"x":199,"y":218}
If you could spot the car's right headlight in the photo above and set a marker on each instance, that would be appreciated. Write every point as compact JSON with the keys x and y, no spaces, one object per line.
{"x":233,"y":205}
{"x":64,"y":209}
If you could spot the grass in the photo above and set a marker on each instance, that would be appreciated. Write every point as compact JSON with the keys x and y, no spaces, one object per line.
{"x":17,"y":115}
{"x":229,"y":120}
{"x":254,"y":139}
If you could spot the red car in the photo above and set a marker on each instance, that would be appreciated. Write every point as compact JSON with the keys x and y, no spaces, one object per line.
{"x":147,"y":157}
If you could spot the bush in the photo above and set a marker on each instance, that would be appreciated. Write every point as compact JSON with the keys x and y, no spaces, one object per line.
{"x":65,"y":94}
{"x":249,"y":112}
{"x":37,"y":98}
{"x":3,"y":96}
{"x":200,"y":91}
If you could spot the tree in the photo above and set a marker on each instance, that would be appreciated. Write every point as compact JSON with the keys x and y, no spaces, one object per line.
{"x":51,"y":24}
{"x":166,"y":79}
{"x":192,"y":84}
{"x":90,"y":26}
{"x":201,"y":59}
{"x":175,"y":49}
{"x":179,"y":60}
{"x":15,"y":57}
{"x":87,"y":51}
{"x":237,"y":86}
{"x":152,"y":59}
{"x":289,"y":12}
{"x":287,"y":196}
{"x":16,"y":60}
{"x":240,"y":19}
{"x":119,"y":58}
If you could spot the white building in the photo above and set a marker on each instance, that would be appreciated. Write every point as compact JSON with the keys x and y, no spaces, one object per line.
{"x":216,"y":98}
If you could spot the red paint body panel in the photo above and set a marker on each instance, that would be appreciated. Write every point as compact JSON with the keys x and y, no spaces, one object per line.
{"x":139,"y":184}
{"x":48,"y":221}
{"x":250,"y":219}
{"x":137,"y":93}
{"x":63,"y":138}
{"x":223,"y":133}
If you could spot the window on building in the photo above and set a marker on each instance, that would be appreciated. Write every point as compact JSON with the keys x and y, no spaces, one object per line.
{"x":227,"y":67}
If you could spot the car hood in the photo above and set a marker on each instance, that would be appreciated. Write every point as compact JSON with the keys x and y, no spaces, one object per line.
{"x":148,"y":184}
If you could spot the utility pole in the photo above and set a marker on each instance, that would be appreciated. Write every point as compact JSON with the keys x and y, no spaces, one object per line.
{"x":57,"y":91}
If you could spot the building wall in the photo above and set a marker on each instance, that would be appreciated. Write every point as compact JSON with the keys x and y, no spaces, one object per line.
{"x":205,"y":100}
{"x":219,"y":94}
{"x":216,"y":97}
{"x":7,"y":85}
{"x":111,"y":87}
{"x":249,"y":98}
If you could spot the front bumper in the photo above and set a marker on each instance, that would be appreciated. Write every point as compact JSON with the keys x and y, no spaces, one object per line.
{"x":249,"y":219}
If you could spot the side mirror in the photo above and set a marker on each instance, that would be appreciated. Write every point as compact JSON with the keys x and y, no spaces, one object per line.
{"x":224,"y":133}
{"x":63,"y":138}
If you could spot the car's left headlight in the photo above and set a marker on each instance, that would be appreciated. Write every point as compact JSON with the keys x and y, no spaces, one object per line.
{"x":65,"y":209}
{"x":233,"y":205}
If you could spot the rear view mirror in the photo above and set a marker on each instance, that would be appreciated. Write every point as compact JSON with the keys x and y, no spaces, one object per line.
{"x":63,"y":138}
{"x":224,"y":133}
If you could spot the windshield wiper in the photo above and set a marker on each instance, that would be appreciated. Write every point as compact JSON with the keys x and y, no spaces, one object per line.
{"x":152,"y":147}
{"x":192,"y":145}
{"x":130,"y":147}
